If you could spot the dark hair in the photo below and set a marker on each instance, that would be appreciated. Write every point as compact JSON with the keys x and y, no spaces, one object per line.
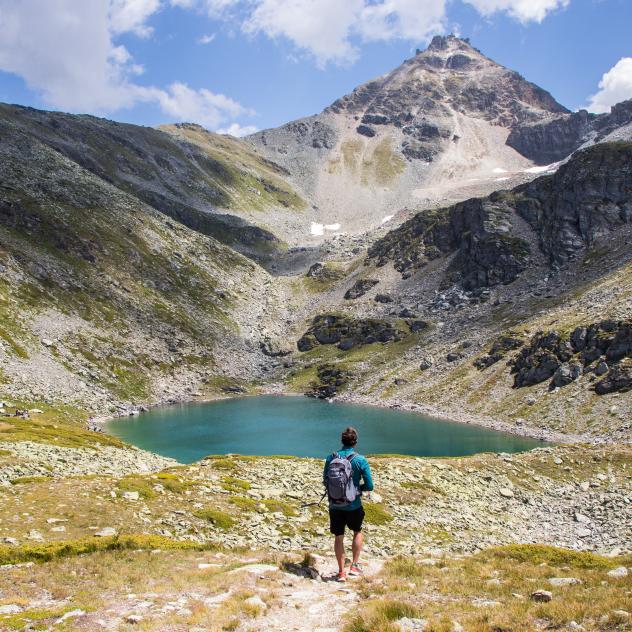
{"x":349,"y":437}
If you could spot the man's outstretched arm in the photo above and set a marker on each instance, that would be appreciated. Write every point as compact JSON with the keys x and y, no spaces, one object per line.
{"x":367,"y":478}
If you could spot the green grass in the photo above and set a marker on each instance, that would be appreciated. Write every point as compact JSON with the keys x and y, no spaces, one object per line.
{"x":380,"y":616}
{"x":30,"y":479}
{"x":377,"y":514}
{"x":552,"y":556}
{"x":232,"y":484}
{"x":219,"y":519}
{"x":135,"y":483}
{"x":68,"y":548}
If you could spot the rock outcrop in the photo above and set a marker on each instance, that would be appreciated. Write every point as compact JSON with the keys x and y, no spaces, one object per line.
{"x":599,"y":349}
{"x":346,"y":332}
{"x":549,"y":141}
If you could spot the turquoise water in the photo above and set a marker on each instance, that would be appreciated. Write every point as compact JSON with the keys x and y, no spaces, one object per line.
{"x":301,"y":426}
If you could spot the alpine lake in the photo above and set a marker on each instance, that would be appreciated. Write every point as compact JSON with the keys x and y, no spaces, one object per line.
{"x":300,"y":426}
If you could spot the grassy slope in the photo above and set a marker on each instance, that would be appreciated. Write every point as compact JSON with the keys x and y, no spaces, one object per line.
{"x":76,"y":250}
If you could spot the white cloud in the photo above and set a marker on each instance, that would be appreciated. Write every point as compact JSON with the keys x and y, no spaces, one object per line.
{"x":332,"y":30}
{"x":131,"y":15}
{"x":522,"y":10}
{"x":235,"y":129}
{"x":319,"y":26}
{"x":65,"y":51}
{"x":615,"y":86}
{"x":206,"y":39}
{"x":201,"y":106}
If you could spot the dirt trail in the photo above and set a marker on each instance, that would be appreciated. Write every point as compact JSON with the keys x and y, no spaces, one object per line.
{"x":316,"y":605}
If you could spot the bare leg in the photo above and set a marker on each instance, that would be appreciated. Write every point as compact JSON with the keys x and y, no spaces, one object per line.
{"x":356,"y":547}
{"x":339,"y":549}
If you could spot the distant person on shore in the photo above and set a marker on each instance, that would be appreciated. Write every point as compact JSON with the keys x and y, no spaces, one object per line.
{"x":346,"y":476}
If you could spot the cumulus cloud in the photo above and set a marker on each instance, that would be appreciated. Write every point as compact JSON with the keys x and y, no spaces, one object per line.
{"x":235,"y":129}
{"x":615,"y":86}
{"x":132,"y":15}
{"x":331,"y":30}
{"x":66,"y":52}
{"x":206,"y":39}
{"x":522,"y":10}
{"x":202,"y":106}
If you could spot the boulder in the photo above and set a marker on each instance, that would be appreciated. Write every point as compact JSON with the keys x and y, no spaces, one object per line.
{"x":543,"y":596}
{"x":360,"y":288}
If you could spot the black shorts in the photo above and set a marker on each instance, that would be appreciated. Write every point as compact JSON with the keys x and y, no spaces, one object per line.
{"x":339,"y":519}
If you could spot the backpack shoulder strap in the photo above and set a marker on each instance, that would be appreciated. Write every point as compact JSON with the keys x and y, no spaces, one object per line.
{"x":351,"y":456}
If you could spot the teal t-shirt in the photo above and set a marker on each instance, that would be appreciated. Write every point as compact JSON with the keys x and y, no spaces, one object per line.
{"x":361,"y":477}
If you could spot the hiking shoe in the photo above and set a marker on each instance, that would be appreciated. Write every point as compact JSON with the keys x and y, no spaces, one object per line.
{"x":341,"y":577}
{"x":356,"y":570}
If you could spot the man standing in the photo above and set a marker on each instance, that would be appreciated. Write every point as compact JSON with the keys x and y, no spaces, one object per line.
{"x":346,"y":476}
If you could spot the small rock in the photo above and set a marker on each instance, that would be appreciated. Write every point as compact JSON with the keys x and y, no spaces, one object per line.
{"x":106,"y":532}
{"x":564,"y":581}
{"x":584,"y":486}
{"x":47,"y":342}
{"x":133,"y":618}
{"x":71,"y":615}
{"x":10,"y":609}
{"x":406,"y":623}
{"x":542,"y":595}
{"x":257,"y":602}
{"x":131,"y":495}
{"x":618,"y":573}
{"x":581,"y":518}
{"x":506,"y":492}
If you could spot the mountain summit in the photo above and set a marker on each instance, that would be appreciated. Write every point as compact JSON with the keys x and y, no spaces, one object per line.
{"x":435,"y":128}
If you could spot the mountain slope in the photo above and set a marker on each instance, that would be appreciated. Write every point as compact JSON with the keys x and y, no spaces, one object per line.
{"x":543,"y":270}
{"x":432,"y":130}
{"x":208,"y":182}
{"x":105,"y":300}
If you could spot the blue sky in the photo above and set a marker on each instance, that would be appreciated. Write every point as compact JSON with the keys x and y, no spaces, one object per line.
{"x":237,"y":65}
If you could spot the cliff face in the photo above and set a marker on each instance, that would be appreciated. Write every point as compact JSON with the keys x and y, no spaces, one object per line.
{"x":546,"y":142}
{"x":589,"y":197}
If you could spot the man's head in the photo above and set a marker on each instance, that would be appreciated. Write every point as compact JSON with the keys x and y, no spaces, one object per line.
{"x":349,"y":437}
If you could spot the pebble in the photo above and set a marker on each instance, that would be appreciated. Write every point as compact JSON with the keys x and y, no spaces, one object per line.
{"x":506,"y":492}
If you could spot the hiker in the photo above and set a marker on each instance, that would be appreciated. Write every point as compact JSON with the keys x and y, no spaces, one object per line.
{"x":342,"y":475}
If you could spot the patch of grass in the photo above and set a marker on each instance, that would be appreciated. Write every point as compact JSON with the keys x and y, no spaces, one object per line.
{"x":552,"y":556}
{"x":135,"y":483}
{"x":222,"y":463}
{"x":280,"y":506}
{"x":35,"y":619}
{"x":383,"y":166}
{"x":237,"y":485}
{"x":69,"y":548}
{"x":52,"y":428}
{"x":30,"y":479}
{"x":376,"y":514}
{"x":381,"y":616}
{"x":219,"y":519}
{"x":174,"y":483}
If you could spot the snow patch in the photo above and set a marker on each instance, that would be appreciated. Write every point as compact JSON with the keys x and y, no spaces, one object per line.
{"x":499,"y":170}
{"x":387,"y":218}
{"x":319,"y":229}
{"x":501,"y":179}
{"x":552,"y":167}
